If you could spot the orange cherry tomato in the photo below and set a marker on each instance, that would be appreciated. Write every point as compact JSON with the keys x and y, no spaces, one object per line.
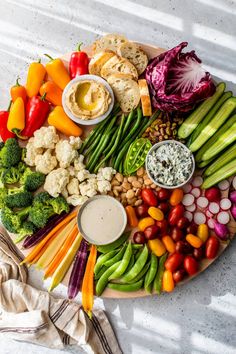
{"x":176,"y":196}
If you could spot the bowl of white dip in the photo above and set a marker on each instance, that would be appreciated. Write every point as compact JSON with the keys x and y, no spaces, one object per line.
{"x":102,"y":220}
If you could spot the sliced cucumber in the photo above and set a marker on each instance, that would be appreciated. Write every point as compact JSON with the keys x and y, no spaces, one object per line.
{"x":202,"y":164}
{"x":225,"y":172}
{"x":226,"y":157}
{"x":199,"y":113}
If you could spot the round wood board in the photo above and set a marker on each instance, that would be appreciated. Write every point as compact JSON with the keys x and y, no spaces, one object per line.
{"x":152,"y":52}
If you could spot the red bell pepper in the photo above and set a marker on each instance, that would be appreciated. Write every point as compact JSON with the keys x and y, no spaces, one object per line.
{"x":37,"y":110}
{"x":78,"y":63}
{"x":4,"y":132}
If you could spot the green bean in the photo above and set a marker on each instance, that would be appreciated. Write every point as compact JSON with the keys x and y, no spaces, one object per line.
{"x":128,"y":121}
{"x":157,"y":285}
{"x":138,"y":266}
{"x":102,"y":282}
{"x":124,"y":263}
{"x":116,"y":258}
{"x":103,"y":269}
{"x":114,"y":245}
{"x":135,"y":126}
{"x":109,"y":146}
{"x":151,"y":272}
{"x":102,"y":259}
{"x":126,"y":287}
{"x":149,"y":122}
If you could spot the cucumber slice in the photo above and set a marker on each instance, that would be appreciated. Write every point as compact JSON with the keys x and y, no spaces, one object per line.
{"x":204,"y":163}
{"x":225,"y":172}
{"x":226,"y":157}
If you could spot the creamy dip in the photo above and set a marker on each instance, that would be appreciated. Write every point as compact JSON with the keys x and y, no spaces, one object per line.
{"x":102,"y":220}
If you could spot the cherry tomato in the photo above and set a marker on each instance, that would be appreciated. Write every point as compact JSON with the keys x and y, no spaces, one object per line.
{"x":176,"y":196}
{"x":212,"y":247}
{"x":175,"y":214}
{"x":163,"y":194}
{"x":139,"y":237}
{"x":163,"y":225}
{"x":174,"y":261}
{"x":183,"y":247}
{"x":192,"y":229}
{"x":179,"y":275}
{"x":151,"y":232}
{"x":198,"y":253}
{"x":142,"y":210}
{"x":164,"y":207}
{"x":176,"y":234}
{"x":182,"y":223}
{"x":149,"y":197}
{"x":190,"y":265}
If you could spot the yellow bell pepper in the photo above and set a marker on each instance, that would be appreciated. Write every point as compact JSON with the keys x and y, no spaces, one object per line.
{"x":36,"y":74}
{"x":157,"y":247}
{"x":58,"y":72}
{"x":16,"y":119}
{"x":60,"y":120}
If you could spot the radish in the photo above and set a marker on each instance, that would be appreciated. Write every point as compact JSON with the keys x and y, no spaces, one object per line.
{"x":225,"y":204}
{"x":188,"y":215}
{"x":233,"y":211}
{"x":187,"y":188}
{"x":223,"y":185}
{"x":202,"y":202}
{"x":223,"y":217}
{"x":197,"y":181}
{"x":188,"y":199}
{"x":191,"y":207}
{"x":209,"y":214}
{"x":221,"y":231}
{"x":234,"y":182}
{"x":196,"y":192}
{"x":214,"y":208}
{"x":199,"y":218}
{"x":232,"y":196}
{"x":213,"y":194}
{"x":211,"y":223}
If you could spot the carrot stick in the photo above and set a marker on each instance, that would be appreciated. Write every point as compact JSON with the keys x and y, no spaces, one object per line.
{"x":87,"y":285}
{"x":37,"y":249}
{"x":61,"y":254}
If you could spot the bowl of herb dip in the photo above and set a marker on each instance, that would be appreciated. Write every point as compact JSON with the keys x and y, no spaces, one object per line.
{"x":170,"y":164}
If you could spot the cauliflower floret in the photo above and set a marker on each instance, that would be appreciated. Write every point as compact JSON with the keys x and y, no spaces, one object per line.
{"x":78,"y":163}
{"x":103,"y":186}
{"x":83,"y":175}
{"x":106,"y":173}
{"x":71,"y":171}
{"x":32,"y":152}
{"x":75,"y":142}
{"x":45,"y":163}
{"x":45,"y":137}
{"x":76,"y":199}
{"x":56,"y":181}
{"x":65,"y":193}
{"x":65,"y":153}
{"x":89,"y":188}
{"x":73,"y":186}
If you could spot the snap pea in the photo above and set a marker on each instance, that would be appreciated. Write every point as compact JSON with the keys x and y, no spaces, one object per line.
{"x":102,"y":259}
{"x":126,"y":287}
{"x":157,"y":285}
{"x":136,"y":155}
{"x":103,"y":269}
{"x":150,"y":275}
{"x":138,"y":253}
{"x":117,"y":257}
{"x":102,"y":282}
{"x":136,"y":246}
{"x":138,"y":266}
{"x":124,"y":263}
{"x":114,"y":245}
{"x":149,"y":288}
{"x":131,"y":263}
{"x":142,"y":273}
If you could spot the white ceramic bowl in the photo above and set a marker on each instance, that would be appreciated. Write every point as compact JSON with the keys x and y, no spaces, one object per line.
{"x":90,"y":121}
{"x":153,"y":148}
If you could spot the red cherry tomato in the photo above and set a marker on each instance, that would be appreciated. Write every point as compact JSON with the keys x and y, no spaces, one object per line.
{"x":174,"y":261}
{"x":178,"y":275}
{"x":192,"y":229}
{"x":175,"y":214}
{"x":212,"y":247}
{"x":190,"y":265}
{"x":139,"y":237}
{"x":183,"y":247}
{"x":142,"y":210}
{"x":149,"y":197}
{"x":151,"y":232}
{"x":182,"y":223}
{"x":163,"y":194}
{"x":176,"y":234}
{"x":164,"y":207}
{"x":198,"y":253}
{"x":163,"y":226}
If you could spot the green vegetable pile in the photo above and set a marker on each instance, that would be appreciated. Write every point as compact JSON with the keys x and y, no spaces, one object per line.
{"x":21,"y":211}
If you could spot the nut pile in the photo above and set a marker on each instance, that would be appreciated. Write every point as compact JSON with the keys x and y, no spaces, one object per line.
{"x":128,"y":189}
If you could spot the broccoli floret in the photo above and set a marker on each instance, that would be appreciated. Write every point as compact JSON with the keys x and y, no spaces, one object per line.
{"x":32,"y":180}
{"x":1,"y":145}
{"x":27,"y":228}
{"x":19,"y":200}
{"x":59,"y":205}
{"x":12,"y":220}
{"x":3,"y":194}
{"x":10,"y":154}
{"x":11,"y":175}
{"x":42,"y":198}
{"x":39,"y":214}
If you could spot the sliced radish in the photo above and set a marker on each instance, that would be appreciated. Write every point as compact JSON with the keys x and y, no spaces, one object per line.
{"x":199,"y":218}
{"x":223,"y":217}
{"x":197,"y":181}
{"x":209,"y":214}
{"x":187,"y":188}
{"x":191,"y":207}
{"x":188,"y":199}
{"x":211,"y":223}
{"x":214,"y":208}
{"x":202,"y":202}
{"x":196,"y":192}
{"x":225,"y":204}
{"x":223,"y":185}
{"x":188,"y":215}
{"x":234,"y":182}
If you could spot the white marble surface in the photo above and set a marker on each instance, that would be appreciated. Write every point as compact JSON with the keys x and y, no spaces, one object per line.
{"x":200,"y":317}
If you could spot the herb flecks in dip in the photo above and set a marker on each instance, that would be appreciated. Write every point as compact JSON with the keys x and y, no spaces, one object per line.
{"x":88,"y":99}
{"x":170,"y":164}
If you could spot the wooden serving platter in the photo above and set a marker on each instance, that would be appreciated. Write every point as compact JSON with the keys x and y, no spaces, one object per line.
{"x":152,"y":52}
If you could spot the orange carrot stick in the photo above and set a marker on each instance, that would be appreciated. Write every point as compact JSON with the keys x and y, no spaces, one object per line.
{"x":87,"y":285}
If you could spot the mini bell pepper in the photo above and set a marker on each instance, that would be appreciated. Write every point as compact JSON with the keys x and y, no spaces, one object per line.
{"x":59,"y":119}
{"x":35,"y":77}
{"x":58,"y":72}
{"x":18,"y":91}
{"x":53,"y":93}
{"x":37,"y":110}
{"x":78,"y":63}
{"x":4,"y":132}
{"x":16,"y":119}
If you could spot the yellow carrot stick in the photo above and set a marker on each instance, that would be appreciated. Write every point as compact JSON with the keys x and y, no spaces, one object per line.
{"x":88,"y":285}
{"x":66,"y":262}
{"x":37,"y":248}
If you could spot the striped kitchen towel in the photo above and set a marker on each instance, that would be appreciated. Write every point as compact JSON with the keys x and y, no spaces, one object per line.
{"x":28,"y":314}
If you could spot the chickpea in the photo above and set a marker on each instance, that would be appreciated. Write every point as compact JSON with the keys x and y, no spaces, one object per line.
{"x":130,"y":194}
{"x":119,"y":177}
{"x":126,"y":185}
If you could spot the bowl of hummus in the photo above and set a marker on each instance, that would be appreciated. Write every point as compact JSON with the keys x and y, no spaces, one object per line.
{"x":88,"y":99}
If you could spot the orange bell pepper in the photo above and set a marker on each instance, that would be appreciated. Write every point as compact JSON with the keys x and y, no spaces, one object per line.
{"x":35,"y":77}
{"x":16,"y":119}
{"x":58,"y":72}
{"x":59,"y":119}
{"x":53,"y":93}
{"x":18,"y":91}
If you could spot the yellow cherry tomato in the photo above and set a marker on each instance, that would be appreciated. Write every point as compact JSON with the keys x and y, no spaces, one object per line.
{"x":145,"y":222}
{"x":168,"y":283}
{"x":194,"y":241}
{"x":156,"y":213}
{"x":157,"y":247}
{"x":169,"y":243}
{"x":203,"y":232}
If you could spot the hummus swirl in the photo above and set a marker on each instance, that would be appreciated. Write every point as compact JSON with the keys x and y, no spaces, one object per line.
{"x":88,"y":99}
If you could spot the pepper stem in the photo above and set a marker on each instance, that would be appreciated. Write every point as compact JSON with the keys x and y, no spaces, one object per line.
{"x":49,"y":56}
{"x":78,"y":49}
{"x":17,"y":132}
{"x":9,"y":106}
{"x":39,"y":61}
{"x":17,"y":81}
{"x":43,"y":97}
